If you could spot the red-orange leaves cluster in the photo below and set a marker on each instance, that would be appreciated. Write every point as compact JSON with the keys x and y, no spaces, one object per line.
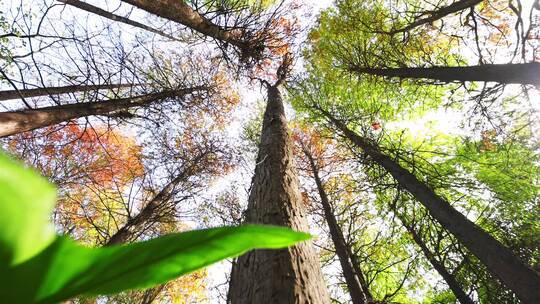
{"x":498,"y":20}
{"x":327,"y":156}
{"x":69,"y":153}
{"x":225,"y":101}
{"x":488,"y":142}
{"x":280,"y":31}
{"x":306,"y":200}
{"x":278,"y":37}
{"x":323,"y":150}
{"x":92,"y":168}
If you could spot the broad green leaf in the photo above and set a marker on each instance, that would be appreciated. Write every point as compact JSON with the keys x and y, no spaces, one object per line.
{"x":66,"y":269}
{"x":26,"y":202}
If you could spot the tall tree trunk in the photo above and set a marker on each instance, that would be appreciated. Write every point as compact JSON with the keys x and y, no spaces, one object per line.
{"x":179,"y":11}
{"x":103,"y":13}
{"x":499,"y":260}
{"x":354,"y":277}
{"x":522,"y":73}
{"x":436,"y":15}
{"x":154,"y":207}
{"x":291,"y":275}
{"x":25,"y":120}
{"x":139,"y":223}
{"x":23,"y":93}
{"x":450,"y":280}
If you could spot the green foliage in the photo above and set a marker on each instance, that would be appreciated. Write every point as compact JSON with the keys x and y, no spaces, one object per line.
{"x":362,"y":101}
{"x":354,"y":34}
{"x":347,"y":36}
{"x":510,"y":170}
{"x":39,"y":267}
{"x":251,"y":130}
{"x":489,"y":176}
{"x":5,"y":48}
{"x":445,"y":297}
{"x":26,"y":202}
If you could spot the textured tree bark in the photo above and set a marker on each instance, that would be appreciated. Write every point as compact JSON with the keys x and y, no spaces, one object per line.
{"x":436,"y":15}
{"x":450,"y":280}
{"x":103,"y":13}
{"x":139,"y":222}
{"x":291,"y":275}
{"x":25,"y":120}
{"x":23,"y":93}
{"x":499,"y":260}
{"x":151,"y":294}
{"x":179,"y":11}
{"x":522,"y":73}
{"x":356,"y":283}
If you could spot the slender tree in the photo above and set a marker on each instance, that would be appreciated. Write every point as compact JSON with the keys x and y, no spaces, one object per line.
{"x":431,"y":16}
{"x":36,"y":92}
{"x":448,"y":277}
{"x":352,"y":272}
{"x":25,"y":120}
{"x":156,"y":206}
{"x":103,"y":13}
{"x":181,"y":12}
{"x":290,"y":275}
{"x":499,"y":260}
{"x":524,"y":73}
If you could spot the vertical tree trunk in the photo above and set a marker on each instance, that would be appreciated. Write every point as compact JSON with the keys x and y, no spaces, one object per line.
{"x":139,"y":223}
{"x":286,"y":276}
{"x":354,"y":277}
{"x":25,"y":120}
{"x":499,"y":260}
{"x":103,"y":13}
{"x":23,"y":93}
{"x":450,"y":280}
{"x":522,"y":73}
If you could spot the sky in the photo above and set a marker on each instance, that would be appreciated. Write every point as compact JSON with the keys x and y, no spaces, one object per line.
{"x":447,"y":120}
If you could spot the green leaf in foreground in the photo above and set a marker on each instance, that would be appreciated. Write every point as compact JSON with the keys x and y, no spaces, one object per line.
{"x":37,"y":266}
{"x":26,"y":202}
{"x":66,"y":269}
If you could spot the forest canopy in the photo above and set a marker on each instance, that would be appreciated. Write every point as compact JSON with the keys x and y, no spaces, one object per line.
{"x":270,"y":151}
